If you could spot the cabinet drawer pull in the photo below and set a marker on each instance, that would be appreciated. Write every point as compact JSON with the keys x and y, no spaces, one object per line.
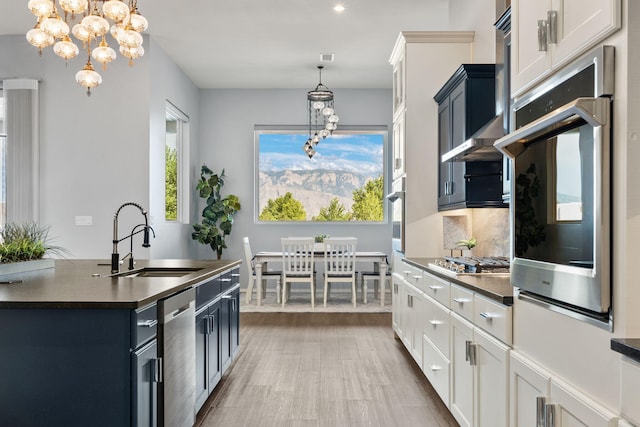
{"x":436,"y":322}
{"x":147,"y":323}
{"x":540,"y":411}
{"x":435,"y":287}
{"x":461,"y":300}
{"x":416,"y":277}
{"x":542,"y":35}
{"x":488,"y":316}
{"x":226,"y":279}
{"x":156,"y":370}
{"x":552,"y":26}
{"x":435,"y":368}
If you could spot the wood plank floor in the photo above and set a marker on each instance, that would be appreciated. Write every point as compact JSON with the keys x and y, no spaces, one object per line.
{"x":322,"y":369}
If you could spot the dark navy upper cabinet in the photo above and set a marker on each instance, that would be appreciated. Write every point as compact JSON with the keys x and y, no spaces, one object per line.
{"x":466,"y":102}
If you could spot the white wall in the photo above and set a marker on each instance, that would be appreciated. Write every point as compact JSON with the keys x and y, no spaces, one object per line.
{"x":169,"y":83}
{"x":478,"y":16}
{"x":95,"y":151}
{"x":228,"y":117}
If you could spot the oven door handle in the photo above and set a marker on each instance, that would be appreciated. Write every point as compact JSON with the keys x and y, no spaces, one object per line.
{"x":594,"y":111}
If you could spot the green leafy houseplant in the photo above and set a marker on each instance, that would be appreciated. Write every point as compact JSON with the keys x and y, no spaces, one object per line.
{"x":25,"y":242}
{"x":217,"y":215}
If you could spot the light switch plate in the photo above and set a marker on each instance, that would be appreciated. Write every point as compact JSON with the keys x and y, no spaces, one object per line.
{"x":84,"y":220}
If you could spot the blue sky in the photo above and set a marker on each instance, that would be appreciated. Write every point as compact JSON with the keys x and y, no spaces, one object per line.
{"x":354,"y":153}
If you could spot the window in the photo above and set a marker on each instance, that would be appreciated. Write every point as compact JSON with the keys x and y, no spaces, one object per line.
{"x":568,"y":177}
{"x":343,"y":182}
{"x":176,"y":155}
{"x":20,"y":151}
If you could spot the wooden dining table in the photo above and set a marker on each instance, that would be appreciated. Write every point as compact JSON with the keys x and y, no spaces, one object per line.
{"x":261,"y":259}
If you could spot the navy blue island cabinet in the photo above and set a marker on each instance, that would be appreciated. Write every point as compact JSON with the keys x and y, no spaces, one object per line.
{"x":96,"y":358}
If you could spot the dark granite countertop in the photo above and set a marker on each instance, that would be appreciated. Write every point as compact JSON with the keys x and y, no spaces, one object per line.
{"x":629,"y":347}
{"x":86,"y":284}
{"x":495,"y":287}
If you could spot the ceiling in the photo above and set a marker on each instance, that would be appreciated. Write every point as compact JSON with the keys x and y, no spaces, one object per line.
{"x":275,"y":43}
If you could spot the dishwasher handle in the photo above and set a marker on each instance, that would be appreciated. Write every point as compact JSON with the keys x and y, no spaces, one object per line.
{"x":176,"y":305}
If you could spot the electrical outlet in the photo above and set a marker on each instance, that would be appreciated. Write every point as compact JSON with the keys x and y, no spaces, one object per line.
{"x":84,"y":220}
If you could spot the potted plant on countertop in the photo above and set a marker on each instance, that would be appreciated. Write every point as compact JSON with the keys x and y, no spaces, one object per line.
{"x":217,"y":215}
{"x":23,"y":247}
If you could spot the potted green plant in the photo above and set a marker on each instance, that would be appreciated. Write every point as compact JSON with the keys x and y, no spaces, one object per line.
{"x":218,"y":213}
{"x":23,"y":247}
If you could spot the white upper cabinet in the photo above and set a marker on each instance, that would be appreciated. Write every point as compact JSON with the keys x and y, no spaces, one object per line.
{"x":547,"y":34}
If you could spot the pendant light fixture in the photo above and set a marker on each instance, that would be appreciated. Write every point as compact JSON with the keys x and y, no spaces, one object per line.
{"x":322,"y":117}
{"x":89,"y":24}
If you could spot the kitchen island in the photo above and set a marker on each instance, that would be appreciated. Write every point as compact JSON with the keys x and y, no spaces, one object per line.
{"x":79,"y":346}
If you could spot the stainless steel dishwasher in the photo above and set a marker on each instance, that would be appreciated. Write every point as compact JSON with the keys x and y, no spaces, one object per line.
{"x":177,"y":343}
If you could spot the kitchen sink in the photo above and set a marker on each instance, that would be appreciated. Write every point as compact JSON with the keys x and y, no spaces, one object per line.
{"x":156,"y":272}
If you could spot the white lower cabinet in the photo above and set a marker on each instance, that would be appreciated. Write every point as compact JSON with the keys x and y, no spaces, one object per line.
{"x":408,"y":308}
{"x":540,"y":400}
{"x":461,"y":342}
{"x":630,"y":390}
{"x":396,"y":306}
{"x":461,"y":400}
{"x":479,"y":376}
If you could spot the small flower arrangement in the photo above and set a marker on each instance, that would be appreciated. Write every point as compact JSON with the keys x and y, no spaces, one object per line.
{"x":320,"y":238}
{"x":469,"y":243}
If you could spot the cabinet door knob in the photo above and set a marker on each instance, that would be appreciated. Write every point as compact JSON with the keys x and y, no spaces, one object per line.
{"x":435,"y":368}
{"x":436,"y":322}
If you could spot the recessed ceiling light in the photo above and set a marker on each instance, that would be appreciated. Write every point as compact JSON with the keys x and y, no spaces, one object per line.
{"x":338,"y":8}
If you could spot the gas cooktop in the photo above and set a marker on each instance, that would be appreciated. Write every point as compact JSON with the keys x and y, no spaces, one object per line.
{"x":471,"y":265}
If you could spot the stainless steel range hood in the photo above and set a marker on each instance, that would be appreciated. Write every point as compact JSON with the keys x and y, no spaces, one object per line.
{"x":480,"y":145}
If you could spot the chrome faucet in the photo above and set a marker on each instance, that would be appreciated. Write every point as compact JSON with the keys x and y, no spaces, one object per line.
{"x":115,"y":256}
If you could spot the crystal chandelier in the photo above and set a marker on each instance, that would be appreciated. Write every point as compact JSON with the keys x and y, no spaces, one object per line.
{"x":322,"y":117}
{"x":88,"y":23}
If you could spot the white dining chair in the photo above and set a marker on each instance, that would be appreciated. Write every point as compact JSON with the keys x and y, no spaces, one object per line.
{"x":365,"y":276}
{"x":266,"y":274}
{"x":340,"y":264}
{"x":297,"y":265}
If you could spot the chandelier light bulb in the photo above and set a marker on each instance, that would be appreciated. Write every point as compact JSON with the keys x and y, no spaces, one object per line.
{"x":65,"y":48}
{"x":88,"y":77}
{"x":324,"y":133}
{"x":41,"y":8}
{"x":74,"y":6}
{"x":318,"y":105}
{"x":39,"y":38}
{"x":116,"y":29}
{"x":95,"y":25}
{"x":327,"y":111}
{"x":331,"y":127}
{"x":115,"y":9}
{"x":55,"y":26}
{"x":315,"y":139}
{"x":103,"y":54}
{"x":334,"y":119}
{"x":80,"y":32}
{"x":132,"y":53}
{"x":138,"y":22}
{"x":129,"y":38}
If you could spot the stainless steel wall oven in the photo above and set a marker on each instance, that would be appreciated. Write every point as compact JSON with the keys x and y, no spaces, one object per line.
{"x":561,"y":194}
